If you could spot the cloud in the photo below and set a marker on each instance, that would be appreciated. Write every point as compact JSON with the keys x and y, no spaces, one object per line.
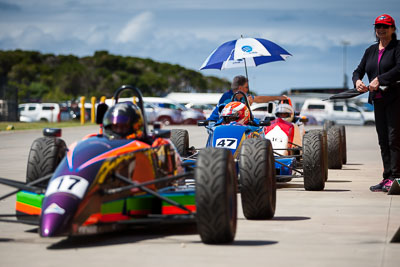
{"x":7,"y":7}
{"x":135,"y":28}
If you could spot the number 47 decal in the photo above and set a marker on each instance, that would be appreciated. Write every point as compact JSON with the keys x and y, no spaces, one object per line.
{"x":230,"y":143}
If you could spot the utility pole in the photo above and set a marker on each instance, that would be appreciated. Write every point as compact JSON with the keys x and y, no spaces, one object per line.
{"x":345,"y":44}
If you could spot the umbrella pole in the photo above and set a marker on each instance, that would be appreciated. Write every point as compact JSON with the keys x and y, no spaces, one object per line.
{"x":245,"y":67}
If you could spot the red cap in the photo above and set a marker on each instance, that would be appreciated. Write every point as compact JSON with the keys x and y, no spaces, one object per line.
{"x":385,"y":19}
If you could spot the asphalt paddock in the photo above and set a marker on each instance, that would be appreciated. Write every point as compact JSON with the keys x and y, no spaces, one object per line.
{"x":344,"y":225}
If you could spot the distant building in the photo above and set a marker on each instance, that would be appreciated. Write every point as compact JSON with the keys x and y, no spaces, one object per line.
{"x":299,"y":95}
{"x":195,"y":98}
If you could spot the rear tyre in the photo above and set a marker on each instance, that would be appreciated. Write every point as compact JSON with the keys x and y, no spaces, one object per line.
{"x":313,"y":161}
{"x":257,"y":177}
{"x":335,"y":160}
{"x":216,"y":196}
{"x":344,"y":146}
{"x":325,"y":150}
{"x":180,"y":139}
{"x":44,"y":156}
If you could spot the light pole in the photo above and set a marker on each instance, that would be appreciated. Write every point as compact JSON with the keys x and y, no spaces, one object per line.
{"x":345,"y":44}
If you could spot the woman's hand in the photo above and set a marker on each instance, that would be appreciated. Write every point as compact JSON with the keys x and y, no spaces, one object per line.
{"x":374,"y":85}
{"x":360,"y":86}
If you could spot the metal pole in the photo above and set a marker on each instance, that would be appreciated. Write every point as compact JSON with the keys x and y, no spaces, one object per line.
{"x":345,"y":44}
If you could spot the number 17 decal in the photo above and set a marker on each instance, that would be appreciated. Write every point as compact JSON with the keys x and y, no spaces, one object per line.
{"x":71,"y":184}
{"x":230,"y":143}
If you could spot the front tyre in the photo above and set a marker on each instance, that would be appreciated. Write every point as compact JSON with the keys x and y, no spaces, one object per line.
{"x":180,"y":139}
{"x":44,"y":156}
{"x":257,"y":177}
{"x":216,"y":196}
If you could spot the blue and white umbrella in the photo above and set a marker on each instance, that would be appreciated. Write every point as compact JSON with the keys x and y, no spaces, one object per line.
{"x":244,"y":52}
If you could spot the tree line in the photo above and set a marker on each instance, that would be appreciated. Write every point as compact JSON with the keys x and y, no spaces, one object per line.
{"x":48,"y":77}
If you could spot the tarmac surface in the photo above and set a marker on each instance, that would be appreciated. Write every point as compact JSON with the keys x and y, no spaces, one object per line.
{"x":344,"y":225}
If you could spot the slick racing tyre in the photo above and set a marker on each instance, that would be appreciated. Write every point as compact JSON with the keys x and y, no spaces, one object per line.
{"x":216,"y":196}
{"x":344,"y":147}
{"x":313,"y":161}
{"x":257,"y":179}
{"x":44,"y":156}
{"x":180,"y":139}
{"x":325,"y":150}
{"x":335,"y":160}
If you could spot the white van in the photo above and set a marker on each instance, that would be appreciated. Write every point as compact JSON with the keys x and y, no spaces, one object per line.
{"x":32,"y":112}
{"x":339,"y":112}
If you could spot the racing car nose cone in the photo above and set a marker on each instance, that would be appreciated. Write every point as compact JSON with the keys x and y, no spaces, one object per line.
{"x":52,"y":225}
{"x":57,"y":211}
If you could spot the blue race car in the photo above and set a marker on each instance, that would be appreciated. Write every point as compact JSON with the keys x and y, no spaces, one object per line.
{"x":259,"y":165}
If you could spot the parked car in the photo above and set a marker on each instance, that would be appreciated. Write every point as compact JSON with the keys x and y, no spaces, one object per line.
{"x":206,"y":109}
{"x":368,"y":110}
{"x":153,"y":112}
{"x":189,"y":116}
{"x":32,"y":112}
{"x":338,"y":112}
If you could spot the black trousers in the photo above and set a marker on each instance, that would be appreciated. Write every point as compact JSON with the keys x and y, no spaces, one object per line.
{"x":387,"y":121}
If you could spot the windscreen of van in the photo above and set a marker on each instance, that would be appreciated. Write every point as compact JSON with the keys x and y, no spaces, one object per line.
{"x":352,"y":109}
{"x":337,"y":108}
{"x":316,"y":106}
{"x":32,"y":108}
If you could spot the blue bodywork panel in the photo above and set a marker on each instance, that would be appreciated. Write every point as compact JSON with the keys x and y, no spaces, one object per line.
{"x":282,"y":170}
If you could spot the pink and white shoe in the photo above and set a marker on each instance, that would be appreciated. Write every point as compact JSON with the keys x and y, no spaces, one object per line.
{"x":387,"y":185}
{"x":378,"y":187}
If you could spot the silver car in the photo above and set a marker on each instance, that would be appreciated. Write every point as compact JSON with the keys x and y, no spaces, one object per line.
{"x":167,"y":116}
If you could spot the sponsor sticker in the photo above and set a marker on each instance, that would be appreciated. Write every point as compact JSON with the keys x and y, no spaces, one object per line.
{"x":54,"y":208}
{"x":247,"y":48}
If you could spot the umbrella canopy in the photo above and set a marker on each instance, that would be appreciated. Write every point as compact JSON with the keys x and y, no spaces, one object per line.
{"x":244,"y":52}
{"x":345,"y":95}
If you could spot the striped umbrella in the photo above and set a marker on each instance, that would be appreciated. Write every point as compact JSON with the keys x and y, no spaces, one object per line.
{"x":244,"y":52}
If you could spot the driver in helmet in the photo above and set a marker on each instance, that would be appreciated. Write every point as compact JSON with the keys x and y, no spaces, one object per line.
{"x":123,"y":121}
{"x":285,"y":112}
{"x":235,"y":112}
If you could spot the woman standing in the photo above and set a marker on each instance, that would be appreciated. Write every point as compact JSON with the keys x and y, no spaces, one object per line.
{"x":381,"y":63}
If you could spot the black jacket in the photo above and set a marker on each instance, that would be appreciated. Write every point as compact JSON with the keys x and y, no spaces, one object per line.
{"x":389,"y":69}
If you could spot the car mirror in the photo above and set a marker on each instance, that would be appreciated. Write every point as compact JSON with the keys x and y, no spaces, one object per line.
{"x":269,"y":118}
{"x":265,"y":123}
{"x":162,"y":133}
{"x":52,"y":132}
{"x":270,"y":107}
{"x":101,"y":110}
{"x":157,"y":125}
{"x":202,"y":122}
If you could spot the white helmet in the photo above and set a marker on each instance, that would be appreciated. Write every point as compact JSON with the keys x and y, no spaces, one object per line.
{"x":285,"y":112}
